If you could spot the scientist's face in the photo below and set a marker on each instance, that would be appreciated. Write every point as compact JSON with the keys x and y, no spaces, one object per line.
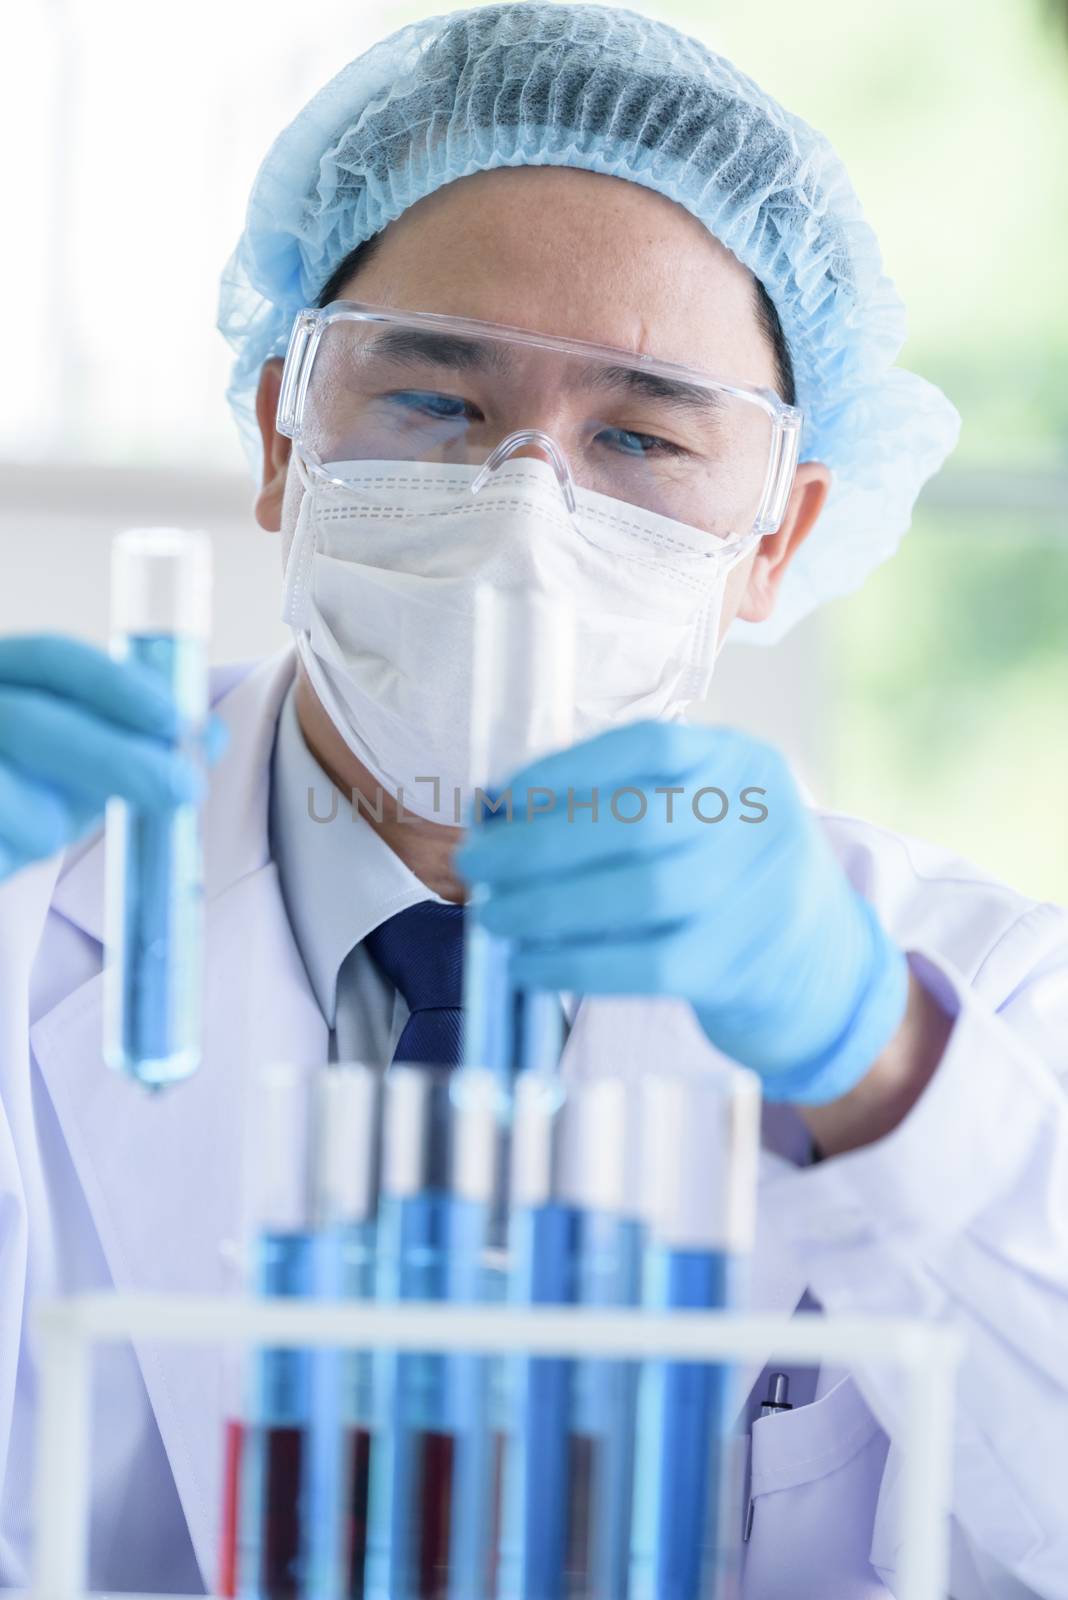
{"x":583,"y":256}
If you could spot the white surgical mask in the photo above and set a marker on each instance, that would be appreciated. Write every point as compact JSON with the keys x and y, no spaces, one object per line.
{"x":380,"y":591}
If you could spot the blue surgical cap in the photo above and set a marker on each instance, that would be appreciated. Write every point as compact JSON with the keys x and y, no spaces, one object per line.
{"x":610,"y":91}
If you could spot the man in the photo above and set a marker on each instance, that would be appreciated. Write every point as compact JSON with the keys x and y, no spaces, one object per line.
{"x":695,"y":269}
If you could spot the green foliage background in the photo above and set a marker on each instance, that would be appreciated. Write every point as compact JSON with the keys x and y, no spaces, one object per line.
{"x":950,"y":668}
{"x":952,"y":116}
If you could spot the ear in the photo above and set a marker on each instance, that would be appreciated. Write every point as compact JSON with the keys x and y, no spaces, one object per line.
{"x":812,"y":483}
{"x":276,"y":448}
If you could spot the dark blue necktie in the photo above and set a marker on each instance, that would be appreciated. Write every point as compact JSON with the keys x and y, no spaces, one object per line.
{"x":420,"y":950}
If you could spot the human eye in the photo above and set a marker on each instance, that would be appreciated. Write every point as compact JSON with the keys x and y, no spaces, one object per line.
{"x":628,"y":442}
{"x":431,"y":403}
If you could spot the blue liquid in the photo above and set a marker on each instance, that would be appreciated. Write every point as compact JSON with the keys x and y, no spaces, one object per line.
{"x":684,"y":1542}
{"x":301,"y":1498}
{"x":334,"y":1489}
{"x":354,"y":1408}
{"x":570,"y":1454}
{"x":506,"y":1029}
{"x":605,"y":1414}
{"x":155,"y":904}
{"x":545,"y":1271}
{"x":430,"y":1455}
{"x":488,"y":1001}
{"x":272,"y":1555}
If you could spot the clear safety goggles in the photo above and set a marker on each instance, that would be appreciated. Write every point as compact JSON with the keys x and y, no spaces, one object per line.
{"x":363,"y":384}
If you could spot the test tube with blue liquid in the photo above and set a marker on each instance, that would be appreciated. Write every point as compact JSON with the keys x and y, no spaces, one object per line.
{"x":161,"y":613}
{"x":523,"y":707}
{"x":701,"y":1145}
{"x":347,"y":1140}
{"x":275,"y":1457}
{"x":573,"y":1240}
{"x":431,"y":1465}
{"x":295,"y":1509}
{"x":604,"y":1397}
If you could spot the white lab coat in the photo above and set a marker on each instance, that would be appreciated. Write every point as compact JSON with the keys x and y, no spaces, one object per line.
{"x":959,"y":1215}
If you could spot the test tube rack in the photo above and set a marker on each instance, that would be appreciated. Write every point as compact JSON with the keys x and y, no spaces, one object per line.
{"x":925,"y":1356}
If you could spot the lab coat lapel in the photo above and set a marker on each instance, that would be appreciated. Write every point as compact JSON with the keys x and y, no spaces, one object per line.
{"x":162,"y":1174}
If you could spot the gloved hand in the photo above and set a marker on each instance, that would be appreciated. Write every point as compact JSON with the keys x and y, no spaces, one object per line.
{"x":75,"y":729}
{"x":753,"y":921}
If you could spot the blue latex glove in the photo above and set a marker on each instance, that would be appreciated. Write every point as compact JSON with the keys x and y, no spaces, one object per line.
{"x":754,"y":922}
{"x":75,"y":729}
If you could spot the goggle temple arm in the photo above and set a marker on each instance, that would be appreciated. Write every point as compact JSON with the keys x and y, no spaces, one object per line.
{"x":300,"y":356}
{"x":782,"y":467}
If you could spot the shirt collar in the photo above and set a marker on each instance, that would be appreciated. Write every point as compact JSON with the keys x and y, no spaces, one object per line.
{"x":339,"y":879}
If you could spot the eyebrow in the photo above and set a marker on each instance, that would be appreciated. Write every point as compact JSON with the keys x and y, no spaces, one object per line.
{"x":651,"y":386}
{"x":416,"y":346}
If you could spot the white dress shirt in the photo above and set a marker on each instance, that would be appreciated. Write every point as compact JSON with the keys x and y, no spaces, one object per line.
{"x":339,"y":882}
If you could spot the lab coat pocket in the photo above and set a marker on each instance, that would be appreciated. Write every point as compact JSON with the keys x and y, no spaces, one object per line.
{"x":816,"y":1473}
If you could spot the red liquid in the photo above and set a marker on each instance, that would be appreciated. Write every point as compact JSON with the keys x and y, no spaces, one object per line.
{"x":280,"y":1535}
{"x":434,"y":1503}
{"x":231,"y":1497}
{"x":359,"y":1470}
{"x":578,"y":1577}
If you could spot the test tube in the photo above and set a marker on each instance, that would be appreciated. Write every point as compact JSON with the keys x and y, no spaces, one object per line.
{"x":523,"y":707}
{"x":161,"y":605}
{"x":598,"y":1159}
{"x":700,"y":1150}
{"x":569,"y":1455}
{"x":430,"y":1455}
{"x":275,"y":1450}
{"x":543,"y":1269}
{"x":294,"y":1465}
{"x":345,"y":1184}
{"x":234,"y":1365}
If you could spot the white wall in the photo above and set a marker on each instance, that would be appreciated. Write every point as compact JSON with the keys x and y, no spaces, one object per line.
{"x":55,"y":531}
